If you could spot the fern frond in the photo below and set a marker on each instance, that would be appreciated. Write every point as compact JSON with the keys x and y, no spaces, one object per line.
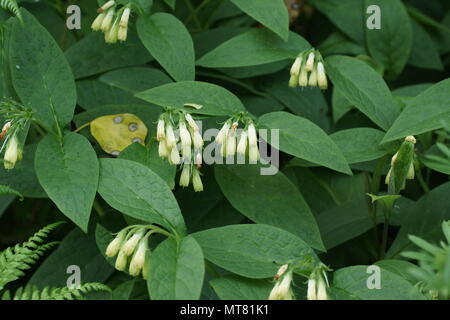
{"x":12,"y":6}
{"x":14,"y":260}
{"x":48,"y":293}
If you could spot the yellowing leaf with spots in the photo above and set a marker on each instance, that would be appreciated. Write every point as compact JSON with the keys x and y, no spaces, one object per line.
{"x":116,"y":132}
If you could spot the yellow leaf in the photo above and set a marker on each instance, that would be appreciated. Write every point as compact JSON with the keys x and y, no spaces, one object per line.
{"x":116,"y":132}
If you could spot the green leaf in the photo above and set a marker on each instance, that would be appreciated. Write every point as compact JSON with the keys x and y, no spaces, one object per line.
{"x":353,"y":281}
{"x":423,"y":219}
{"x":91,"y":55}
{"x":149,"y":157}
{"x":391,"y":45}
{"x":176,"y":270}
{"x":168,"y":40}
{"x":23,"y":178}
{"x":303,"y":139}
{"x":252,"y":250}
{"x":364,"y":88}
{"x":255,"y":47}
{"x":399,"y":267}
{"x":68,"y":171}
{"x":426,"y":112}
{"x":424,"y":52}
{"x":271,"y":13}
{"x":347,"y":15}
{"x":137,"y":191}
{"x":76,"y":249}
{"x":214,"y":99}
{"x":41,"y":75}
{"x":6,"y":190}
{"x":233,"y":287}
{"x":268,"y":199}
{"x":359,"y":144}
{"x":135,"y":79}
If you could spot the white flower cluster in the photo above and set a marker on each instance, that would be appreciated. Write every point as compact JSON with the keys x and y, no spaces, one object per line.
{"x":282,"y":289}
{"x":191,"y":144}
{"x":232,"y":143}
{"x":113,"y":22}
{"x":317,"y":285}
{"x":131,"y":247}
{"x":308,"y":62}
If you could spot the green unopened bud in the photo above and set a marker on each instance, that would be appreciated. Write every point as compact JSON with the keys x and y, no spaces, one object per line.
{"x":312,"y":289}
{"x":402,"y":166}
{"x":197,"y":181}
{"x":185,"y":176}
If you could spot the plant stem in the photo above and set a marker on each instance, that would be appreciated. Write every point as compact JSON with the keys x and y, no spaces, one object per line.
{"x":422,"y":182}
{"x":375,"y":189}
{"x":387,"y":214}
{"x":98,"y":208}
{"x":82,"y":127}
{"x":196,"y":10}
{"x":193,"y":13}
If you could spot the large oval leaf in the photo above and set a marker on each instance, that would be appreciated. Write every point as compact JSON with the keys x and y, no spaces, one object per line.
{"x":391,"y":46}
{"x":303,"y":139}
{"x":255,"y":47}
{"x":137,"y":191}
{"x":271,"y":13}
{"x":271,"y":200}
{"x":41,"y":75}
{"x":68,"y":171}
{"x":169,"y":42}
{"x":214,"y":99}
{"x":364,"y":88}
{"x":252,"y":250}
{"x":428,"y":111}
{"x":176,"y":270}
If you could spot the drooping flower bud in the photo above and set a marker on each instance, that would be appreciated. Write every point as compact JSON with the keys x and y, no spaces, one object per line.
{"x":223,"y":133}
{"x":174,"y":156}
{"x":309,"y":66}
{"x":170,"y":137}
{"x":282,"y":289}
{"x":303,"y":79}
{"x":321,"y":76}
{"x":191,"y":122}
{"x":410,"y":175}
{"x":138,"y":259}
{"x":402,"y":166}
{"x":97,"y":24}
{"x":185,"y":176}
{"x":198,"y":160}
{"x":198,"y":140}
{"x":160,"y":132}
{"x":242,"y":145}
{"x":234,"y":126}
{"x":185,"y":136}
{"x":107,"y":20}
{"x":146,"y":267}
{"x":121,"y":261}
{"x":281,"y":271}
{"x":295,"y":69}
{"x":115,"y":245}
{"x":111,"y":36}
{"x":12,"y":152}
{"x":293,"y":81}
{"x":253,"y":153}
{"x":123,"y":26}
{"x":197,"y":181}
{"x":131,"y":243}
{"x":322,"y":290}
{"x":252,"y":138}
{"x":186,"y":153}
{"x":231,"y":144}
{"x":162,"y":149}
{"x":312,"y":290}
{"x":312,"y":82}
{"x":106,"y":6}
